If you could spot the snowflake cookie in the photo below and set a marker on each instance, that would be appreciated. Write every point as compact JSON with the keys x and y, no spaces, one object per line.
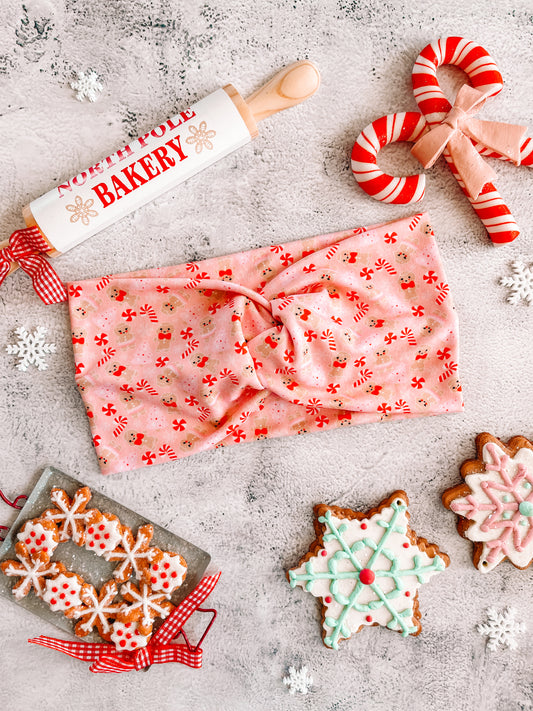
{"x":366,"y":569}
{"x":494,"y":503}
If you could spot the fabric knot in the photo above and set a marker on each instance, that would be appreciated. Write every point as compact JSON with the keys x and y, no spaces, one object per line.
{"x":454,"y":117}
{"x":143,"y":657}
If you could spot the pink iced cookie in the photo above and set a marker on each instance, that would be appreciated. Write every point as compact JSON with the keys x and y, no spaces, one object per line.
{"x":39,"y":534}
{"x":63,"y":592}
{"x":167,"y":572}
{"x":103,"y":532}
{"x":127,"y":638}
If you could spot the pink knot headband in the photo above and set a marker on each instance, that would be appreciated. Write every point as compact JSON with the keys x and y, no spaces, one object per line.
{"x":449,"y":130}
{"x":345,"y":328}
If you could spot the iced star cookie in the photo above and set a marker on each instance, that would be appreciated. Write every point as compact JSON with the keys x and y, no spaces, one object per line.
{"x":63,"y":592}
{"x":39,"y":534}
{"x":144,"y":606}
{"x":96,"y":610}
{"x":366,"y":569}
{"x":33,"y":570}
{"x":494,"y":503}
{"x":167,"y":572}
{"x":103,"y":532}
{"x":70,"y":513}
{"x":134,"y":554}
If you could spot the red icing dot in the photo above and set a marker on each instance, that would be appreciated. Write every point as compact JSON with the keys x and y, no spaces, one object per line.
{"x":27,"y":541}
{"x":324,"y":553}
{"x":33,"y":550}
{"x":62,"y":596}
{"x":97,"y":536}
{"x":133,"y":645}
{"x":65,"y":586}
{"x":101,"y":528}
{"x":127,"y":624}
{"x":406,"y":545}
{"x":174,"y":574}
{"x":45,"y":550}
{"x":367,"y":576}
{"x":165,"y":585}
{"x":54,"y":589}
{"x":33,"y":534}
{"x":163,"y":575}
{"x":137,"y":632}
{"x":53,"y":601}
{"x":90,"y":530}
{"x":408,"y":594}
{"x":102,"y":546}
{"x":128,"y":636}
{"x":91,"y":544}
{"x":155,"y":566}
{"x":72,"y":592}
{"x":167,"y":566}
{"x":153,"y":580}
{"x":106,"y":536}
{"x":368,"y":618}
{"x":67,"y":604}
{"x":122,"y":642}
{"x":119,"y":633}
{"x":327,"y":599}
{"x":364,"y":526}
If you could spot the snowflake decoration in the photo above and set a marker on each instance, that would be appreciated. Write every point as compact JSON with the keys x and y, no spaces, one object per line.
{"x":81,"y":210}
{"x":521,"y":283}
{"x":31,"y":348}
{"x":87,"y":86}
{"x":367,"y":569}
{"x":501,"y":628}
{"x":496,"y":502}
{"x":299,"y":681}
{"x":201,"y":136}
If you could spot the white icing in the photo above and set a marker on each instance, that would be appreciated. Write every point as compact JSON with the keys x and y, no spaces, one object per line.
{"x":167,"y":573}
{"x":145,"y":600}
{"x":481,"y":509}
{"x":32,"y":575}
{"x":96,"y":610}
{"x":130,"y":554}
{"x":38,"y":538}
{"x":63,"y":593}
{"x":102,"y":536}
{"x":69,"y":514}
{"x":127,"y":637}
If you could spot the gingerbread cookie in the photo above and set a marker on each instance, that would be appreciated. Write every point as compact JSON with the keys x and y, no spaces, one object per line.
{"x":494,"y":503}
{"x":135,"y":554}
{"x":127,"y":637}
{"x":145,"y":605}
{"x":96,"y":609}
{"x":167,"y":572}
{"x":103,"y":532}
{"x":63,"y":592}
{"x":33,"y":570}
{"x":39,"y":534}
{"x":366,"y":569}
{"x":70,"y":513}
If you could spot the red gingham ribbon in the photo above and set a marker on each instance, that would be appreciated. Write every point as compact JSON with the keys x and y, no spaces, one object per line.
{"x":26,"y":249}
{"x":107,"y":660}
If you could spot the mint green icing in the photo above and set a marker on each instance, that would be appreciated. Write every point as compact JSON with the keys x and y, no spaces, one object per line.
{"x":400,"y":620}
{"x":507,"y":515}
{"x":526,"y":508}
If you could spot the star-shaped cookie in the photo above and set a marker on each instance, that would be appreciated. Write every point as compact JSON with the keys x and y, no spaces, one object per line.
{"x":366,"y":569}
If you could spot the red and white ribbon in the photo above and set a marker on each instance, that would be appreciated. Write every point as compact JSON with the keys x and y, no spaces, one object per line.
{"x":436,"y":111}
{"x":27,"y":248}
{"x":107,"y":660}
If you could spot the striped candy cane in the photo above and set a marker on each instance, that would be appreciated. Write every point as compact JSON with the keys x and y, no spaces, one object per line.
{"x":450,"y":369}
{"x":362,"y":309}
{"x":191,"y":347}
{"x":329,"y":337}
{"x":108,"y":354}
{"x":167,"y":450}
{"x":407,"y":126}
{"x":145,"y":385}
{"x":364,"y":375}
{"x":408,"y":333}
{"x":121,"y":423}
{"x":483,"y":73}
{"x":149,"y":311}
{"x":383,"y":264}
{"x":443,"y":290}
{"x":402,"y":406}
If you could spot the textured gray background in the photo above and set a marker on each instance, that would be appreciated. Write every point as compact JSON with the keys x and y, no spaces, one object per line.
{"x":250,"y":505}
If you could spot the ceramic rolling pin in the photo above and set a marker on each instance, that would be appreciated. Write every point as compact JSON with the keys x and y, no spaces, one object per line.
{"x":161,"y":159}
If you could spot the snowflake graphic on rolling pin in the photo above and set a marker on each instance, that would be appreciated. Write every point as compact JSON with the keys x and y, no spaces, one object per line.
{"x":81,"y":210}
{"x":201,"y":136}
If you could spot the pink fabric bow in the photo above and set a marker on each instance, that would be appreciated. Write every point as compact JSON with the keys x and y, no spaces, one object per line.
{"x":107,"y":660}
{"x":458,"y":130}
{"x":25,"y":249}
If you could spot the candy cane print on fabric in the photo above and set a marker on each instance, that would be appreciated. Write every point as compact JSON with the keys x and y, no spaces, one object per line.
{"x":407,"y":126}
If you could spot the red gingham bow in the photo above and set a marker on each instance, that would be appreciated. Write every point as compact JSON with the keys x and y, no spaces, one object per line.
{"x":107,"y":660}
{"x":26,"y":249}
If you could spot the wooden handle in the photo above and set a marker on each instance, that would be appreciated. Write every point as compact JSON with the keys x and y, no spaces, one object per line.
{"x":287,"y":88}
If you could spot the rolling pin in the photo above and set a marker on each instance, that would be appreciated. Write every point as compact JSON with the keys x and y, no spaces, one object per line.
{"x":167,"y":155}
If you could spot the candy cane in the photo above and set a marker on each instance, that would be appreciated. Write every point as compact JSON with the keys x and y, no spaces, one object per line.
{"x":166,"y":449}
{"x":403,"y":406}
{"x":331,"y":251}
{"x":328,"y":336}
{"x":443,"y":290}
{"x":108,"y":354}
{"x":229,"y":374}
{"x":408,"y":333}
{"x":362,"y":310}
{"x":192,"y":346}
{"x":451,"y":368}
{"x":204,"y":413}
{"x":145,"y":385}
{"x":364,"y":376}
{"x":150,"y":311}
{"x":121,"y":423}
{"x":483,"y":73}
{"x":407,"y":126}
{"x":383,"y":264}
{"x":104,"y":281}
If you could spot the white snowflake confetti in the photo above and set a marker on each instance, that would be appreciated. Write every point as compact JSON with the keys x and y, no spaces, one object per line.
{"x":31,"y":348}
{"x":87,"y":86}
{"x":501,"y":628}
{"x":521,"y":283}
{"x":299,"y":680}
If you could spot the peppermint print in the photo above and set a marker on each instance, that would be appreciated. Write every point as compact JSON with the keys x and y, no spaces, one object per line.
{"x":216,"y":359}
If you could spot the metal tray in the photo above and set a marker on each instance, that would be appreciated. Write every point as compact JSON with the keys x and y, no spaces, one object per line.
{"x":92,"y":568}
